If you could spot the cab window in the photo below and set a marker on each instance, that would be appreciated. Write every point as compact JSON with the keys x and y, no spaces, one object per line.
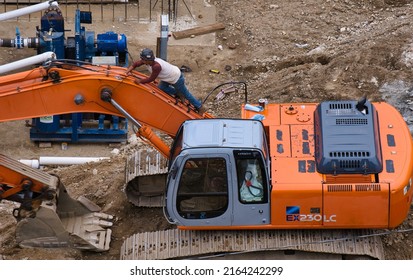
{"x":252,"y":180}
{"x":203,"y":188}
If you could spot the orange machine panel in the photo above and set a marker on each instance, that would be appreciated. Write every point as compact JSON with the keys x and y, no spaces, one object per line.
{"x":396,"y":147}
{"x":280,"y":140}
{"x":357,"y":205}
{"x":295,"y":171}
{"x":396,"y":154}
{"x":297,"y":113}
{"x":302,"y":140}
{"x":296,"y":205}
{"x":291,"y":140}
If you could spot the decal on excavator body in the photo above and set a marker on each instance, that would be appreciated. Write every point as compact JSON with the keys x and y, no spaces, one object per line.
{"x":293,"y":215}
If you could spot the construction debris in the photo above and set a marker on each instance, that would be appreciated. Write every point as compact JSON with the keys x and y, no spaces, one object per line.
{"x":198,"y":30}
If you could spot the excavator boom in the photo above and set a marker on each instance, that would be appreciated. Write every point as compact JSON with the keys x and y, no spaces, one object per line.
{"x":62,"y":88}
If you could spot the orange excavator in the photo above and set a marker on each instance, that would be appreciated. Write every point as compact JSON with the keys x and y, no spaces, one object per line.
{"x":332,"y":166}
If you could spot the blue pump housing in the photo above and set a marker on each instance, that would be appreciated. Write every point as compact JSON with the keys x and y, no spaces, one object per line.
{"x":79,"y":127}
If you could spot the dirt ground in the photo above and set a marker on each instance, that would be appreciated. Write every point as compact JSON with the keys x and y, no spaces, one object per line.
{"x":285,"y":51}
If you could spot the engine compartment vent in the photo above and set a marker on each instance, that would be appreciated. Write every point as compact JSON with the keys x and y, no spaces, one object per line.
{"x":341,"y":106}
{"x":347,"y":138}
{"x":351,"y":122}
{"x":339,"y":188}
{"x":368,"y":188}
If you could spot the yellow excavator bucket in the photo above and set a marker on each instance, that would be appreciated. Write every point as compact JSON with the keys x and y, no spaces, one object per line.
{"x":48,"y":216}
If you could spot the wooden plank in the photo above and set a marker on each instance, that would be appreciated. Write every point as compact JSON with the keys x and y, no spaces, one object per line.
{"x":198,"y":30}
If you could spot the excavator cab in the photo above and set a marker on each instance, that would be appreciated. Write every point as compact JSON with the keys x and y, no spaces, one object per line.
{"x":219,"y":175}
{"x":47,"y":215}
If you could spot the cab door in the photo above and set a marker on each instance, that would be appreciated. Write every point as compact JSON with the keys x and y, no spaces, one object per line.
{"x":198,"y":192}
{"x":251,"y":188}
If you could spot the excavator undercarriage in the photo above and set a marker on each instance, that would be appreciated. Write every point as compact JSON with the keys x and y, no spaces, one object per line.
{"x":271,"y":244}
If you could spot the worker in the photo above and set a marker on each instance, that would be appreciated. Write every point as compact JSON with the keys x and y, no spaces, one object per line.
{"x":172,"y":80}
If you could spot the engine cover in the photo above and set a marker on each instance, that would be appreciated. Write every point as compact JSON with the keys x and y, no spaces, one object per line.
{"x":347,"y":138}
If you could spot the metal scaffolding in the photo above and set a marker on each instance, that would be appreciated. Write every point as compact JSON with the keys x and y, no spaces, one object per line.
{"x":115,"y":10}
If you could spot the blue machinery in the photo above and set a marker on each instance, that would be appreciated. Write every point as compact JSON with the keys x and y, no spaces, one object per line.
{"x":108,"y":48}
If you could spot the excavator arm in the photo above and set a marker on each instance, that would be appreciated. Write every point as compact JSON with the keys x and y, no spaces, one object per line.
{"x":48,"y":216}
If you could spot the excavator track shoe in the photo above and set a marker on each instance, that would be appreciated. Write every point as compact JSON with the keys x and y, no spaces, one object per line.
{"x":179,"y":244}
{"x":146,"y":172}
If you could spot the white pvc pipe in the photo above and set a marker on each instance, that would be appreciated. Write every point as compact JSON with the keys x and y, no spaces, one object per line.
{"x":68,"y":160}
{"x":42,"y":161}
{"x":33,"y":163}
{"x":27,"y":10}
{"x":40,"y":58}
